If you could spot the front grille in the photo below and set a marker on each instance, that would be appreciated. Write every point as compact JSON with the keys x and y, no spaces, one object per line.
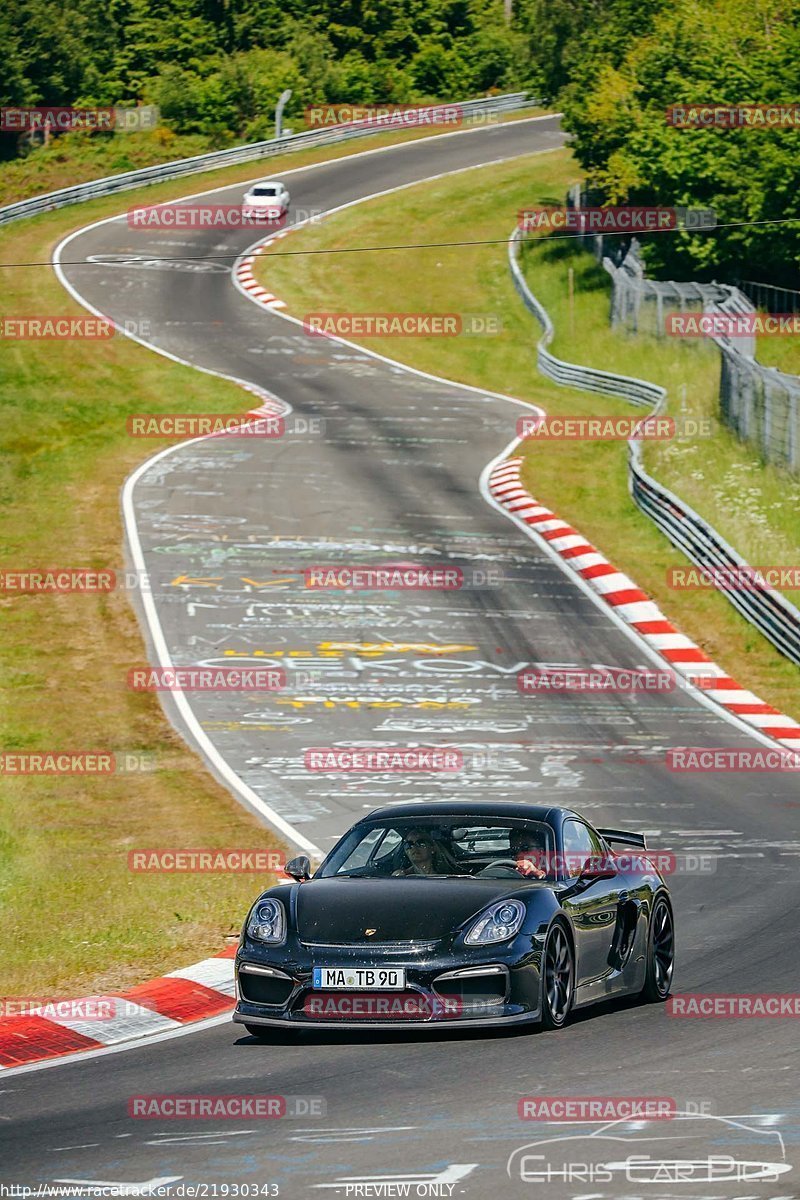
{"x":380,"y":947}
{"x":474,"y":989}
{"x":264,"y":989}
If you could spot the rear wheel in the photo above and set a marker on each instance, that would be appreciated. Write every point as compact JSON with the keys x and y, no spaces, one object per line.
{"x":660,"y":953}
{"x":558,"y":978}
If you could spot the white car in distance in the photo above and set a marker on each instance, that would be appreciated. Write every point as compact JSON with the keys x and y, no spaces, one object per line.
{"x":268,"y":199}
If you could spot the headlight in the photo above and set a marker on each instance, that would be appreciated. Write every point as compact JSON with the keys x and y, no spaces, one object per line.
{"x":497,"y":924}
{"x":267,"y":922}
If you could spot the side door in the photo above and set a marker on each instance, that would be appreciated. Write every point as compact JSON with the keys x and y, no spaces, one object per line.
{"x":592,"y":904}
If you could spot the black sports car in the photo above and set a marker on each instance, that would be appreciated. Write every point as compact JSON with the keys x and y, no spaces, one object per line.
{"x":468,"y":913}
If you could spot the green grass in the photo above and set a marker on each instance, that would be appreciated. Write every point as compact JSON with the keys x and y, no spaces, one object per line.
{"x":75,"y":920}
{"x":74,"y":917}
{"x":584,"y":482}
{"x":781,"y":351}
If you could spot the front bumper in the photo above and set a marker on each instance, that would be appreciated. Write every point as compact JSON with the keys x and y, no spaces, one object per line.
{"x":493,"y":985}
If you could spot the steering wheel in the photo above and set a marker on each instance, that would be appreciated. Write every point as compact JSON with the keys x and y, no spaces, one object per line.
{"x":501,"y":862}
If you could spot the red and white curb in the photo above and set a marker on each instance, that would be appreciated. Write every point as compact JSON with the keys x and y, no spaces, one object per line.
{"x":244,"y":274}
{"x":195,"y":993}
{"x":637,"y":609}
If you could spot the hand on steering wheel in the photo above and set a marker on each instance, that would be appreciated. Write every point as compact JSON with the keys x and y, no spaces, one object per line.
{"x":525,"y":866}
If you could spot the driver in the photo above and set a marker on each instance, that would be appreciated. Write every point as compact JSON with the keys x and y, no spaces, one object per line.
{"x":528,"y":853}
{"x":425,"y":855}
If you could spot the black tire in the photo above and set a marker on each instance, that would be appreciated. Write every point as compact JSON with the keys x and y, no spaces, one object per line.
{"x":558,"y":978}
{"x":260,"y":1032}
{"x":660,"y":953}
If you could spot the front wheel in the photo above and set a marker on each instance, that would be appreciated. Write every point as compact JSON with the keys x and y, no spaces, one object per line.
{"x":260,"y":1032}
{"x":660,"y":953}
{"x":558,"y":978}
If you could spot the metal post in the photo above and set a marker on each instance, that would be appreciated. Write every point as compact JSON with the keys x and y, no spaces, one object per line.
{"x":282,"y":101}
{"x":571,"y":302}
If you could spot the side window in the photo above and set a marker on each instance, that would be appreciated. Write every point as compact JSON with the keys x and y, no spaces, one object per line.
{"x":388,"y":846}
{"x":361,"y":853}
{"x":580,"y":843}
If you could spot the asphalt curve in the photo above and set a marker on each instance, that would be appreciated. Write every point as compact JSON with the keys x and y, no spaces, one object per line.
{"x":392,"y":474}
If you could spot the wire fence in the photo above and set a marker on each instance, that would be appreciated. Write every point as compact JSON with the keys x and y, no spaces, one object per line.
{"x":760,"y":404}
{"x":770,"y":297}
{"x":776,"y":618}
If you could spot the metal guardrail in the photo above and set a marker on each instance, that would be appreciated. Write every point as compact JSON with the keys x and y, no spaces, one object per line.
{"x":771,"y":613}
{"x":472,"y":109}
{"x":766,"y":609}
{"x":587,"y":379}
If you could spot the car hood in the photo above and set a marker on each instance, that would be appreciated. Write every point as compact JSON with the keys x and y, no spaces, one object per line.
{"x":399,"y":910}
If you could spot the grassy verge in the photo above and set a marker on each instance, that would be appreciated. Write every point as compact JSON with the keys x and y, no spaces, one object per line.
{"x":75,"y":919}
{"x":584,"y":482}
{"x":81,"y":157}
{"x":753,"y":505}
{"x":782,"y":352}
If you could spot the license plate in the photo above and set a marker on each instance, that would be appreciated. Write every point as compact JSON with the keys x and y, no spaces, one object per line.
{"x":373,"y":979}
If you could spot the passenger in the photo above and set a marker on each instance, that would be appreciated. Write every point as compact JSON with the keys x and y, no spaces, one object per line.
{"x":528,"y":852}
{"x":425,"y":855}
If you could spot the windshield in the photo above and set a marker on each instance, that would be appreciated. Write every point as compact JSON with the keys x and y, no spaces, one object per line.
{"x":264,"y":191}
{"x":442,"y":846}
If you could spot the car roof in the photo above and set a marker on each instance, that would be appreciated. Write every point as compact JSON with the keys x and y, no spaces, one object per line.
{"x":267,"y":183}
{"x":471,"y":809}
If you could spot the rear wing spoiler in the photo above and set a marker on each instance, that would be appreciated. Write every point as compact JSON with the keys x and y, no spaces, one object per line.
{"x":624,"y":838}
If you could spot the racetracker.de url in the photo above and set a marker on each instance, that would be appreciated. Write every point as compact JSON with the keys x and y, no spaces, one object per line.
{"x":189,"y":1191}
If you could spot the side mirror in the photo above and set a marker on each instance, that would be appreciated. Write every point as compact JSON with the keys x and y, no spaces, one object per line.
{"x":299,"y":868}
{"x":601,"y":867}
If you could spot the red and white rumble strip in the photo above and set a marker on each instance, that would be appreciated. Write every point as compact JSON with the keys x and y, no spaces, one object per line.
{"x":205,"y":989}
{"x":636,"y":608}
{"x":244,"y":274}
